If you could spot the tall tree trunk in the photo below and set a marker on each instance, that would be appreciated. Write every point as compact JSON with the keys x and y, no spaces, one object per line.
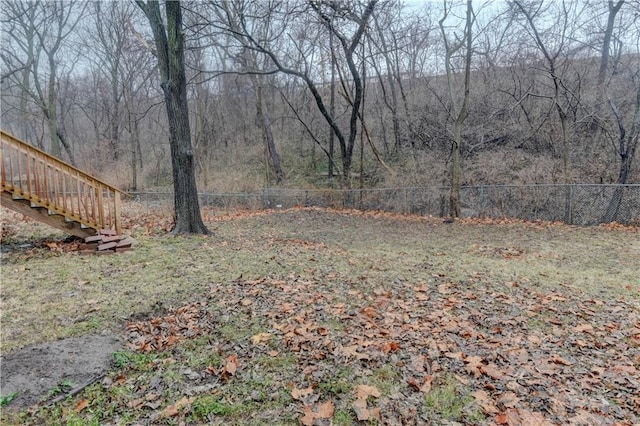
{"x":267,"y":134}
{"x":606,"y":44}
{"x":115,"y":119}
{"x":627,"y":146}
{"x":170,"y":53}
{"x":56,"y":149}
{"x":391,"y":77}
{"x":332,"y":110}
{"x":135,"y":144}
{"x":463,"y":111}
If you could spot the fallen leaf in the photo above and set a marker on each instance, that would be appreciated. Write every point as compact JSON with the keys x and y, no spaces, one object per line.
{"x":308,"y":417}
{"x":230,"y":366}
{"x":360,"y":407}
{"x":509,"y":400}
{"x":325,"y":410}
{"x":81,"y":405}
{"x":485,"y":401}
{"x":583,"y":328}
{"x":299,"y":394}
{"x":501,"y":419}
{"x":365,"y":391}
{"x":260,"y":338}
{"x":426,"y":386}
{"x":390,"y":347}
{"x":492,"y":371}
{"x":173,"y":409}
{"x":135,"y":403}
{"x":370,"y":311}
{"x":625,"y":368}
{"x":417,"y":363}
{"x":454,"y":355}
{"x":557,"y":359}
{"x":534,"y":340}
{"x":581,"y":343}
{"x":322,"y":411}
{"x":473,"y":365}
{"x":411,"y":381}
{"x":530,"y":418}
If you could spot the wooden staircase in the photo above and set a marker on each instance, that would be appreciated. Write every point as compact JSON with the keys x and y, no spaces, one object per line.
{"x":49,"y":190}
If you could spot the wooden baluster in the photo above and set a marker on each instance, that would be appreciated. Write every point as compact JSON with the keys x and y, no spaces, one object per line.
{"x":19,"y":173}
{"x":27,"y":168}
{"x":100,"y":205}
{"x":91,"y":204}
{"x":54,"y":189}
{"x":116,"y":212}
{"x":62,"y":190}
{"x":56,"y":185}
{"x":3,"y":172}
{"x":36,"y":179}
{"x":81,"y":202}
{"x":3,"y":167}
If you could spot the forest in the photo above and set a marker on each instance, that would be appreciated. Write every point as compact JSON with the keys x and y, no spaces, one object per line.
{"x":312,"y":94}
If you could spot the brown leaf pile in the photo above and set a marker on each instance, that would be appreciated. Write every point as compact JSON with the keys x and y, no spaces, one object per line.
{"x":527,"y":357}
{"x":164,"y":332}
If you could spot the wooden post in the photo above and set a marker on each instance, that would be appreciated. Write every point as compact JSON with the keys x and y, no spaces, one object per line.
{"x":116,"y":213}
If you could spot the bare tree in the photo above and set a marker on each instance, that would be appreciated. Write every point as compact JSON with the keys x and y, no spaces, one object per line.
{"x":110,"y":38}
{"x":337,"y":18}
{"x":554,"y":48}
{"x":613,"y":10}
{"x":38,"y":31}
{"x":169,"y":41}
{"x":249,"y":60}
{"x":628,"y":130}
{"x":461,"y":110}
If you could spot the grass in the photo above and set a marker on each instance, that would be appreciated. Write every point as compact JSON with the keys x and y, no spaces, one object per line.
{"x":312,"y":261}
{"x":448,"y":401}
{"x":48,"y":295}
{"x":6,"y":399}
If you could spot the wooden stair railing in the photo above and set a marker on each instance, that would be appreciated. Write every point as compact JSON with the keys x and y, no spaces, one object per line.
{"x":49,"y":190}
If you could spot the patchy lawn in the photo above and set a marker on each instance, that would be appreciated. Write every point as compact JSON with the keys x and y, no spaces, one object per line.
{"x":314,"y":316}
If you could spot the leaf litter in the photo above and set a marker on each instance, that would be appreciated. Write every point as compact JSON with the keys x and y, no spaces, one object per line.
{"x":525,"y":355}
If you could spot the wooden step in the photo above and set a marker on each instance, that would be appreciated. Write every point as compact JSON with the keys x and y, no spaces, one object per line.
{"x":105,"y":242}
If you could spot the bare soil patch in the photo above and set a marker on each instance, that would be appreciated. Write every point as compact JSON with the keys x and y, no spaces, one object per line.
{"x":44,"y":371}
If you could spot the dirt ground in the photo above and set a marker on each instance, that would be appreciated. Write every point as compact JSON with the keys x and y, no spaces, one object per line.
{"x":40,"y":372}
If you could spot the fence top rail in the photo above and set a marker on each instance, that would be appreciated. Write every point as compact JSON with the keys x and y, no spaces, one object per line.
{"x":28,"y":147}
{"x":556,"y":185}
{"x":262,"y":191}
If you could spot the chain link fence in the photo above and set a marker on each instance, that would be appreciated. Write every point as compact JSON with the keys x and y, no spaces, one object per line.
{"x":575,"y":204}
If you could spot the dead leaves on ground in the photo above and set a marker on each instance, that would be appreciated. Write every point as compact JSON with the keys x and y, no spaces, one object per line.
{"x":162,"y":333}
{"x":360,"y":406}
{"x":526,"y":357}
{"x":322,"y":410}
